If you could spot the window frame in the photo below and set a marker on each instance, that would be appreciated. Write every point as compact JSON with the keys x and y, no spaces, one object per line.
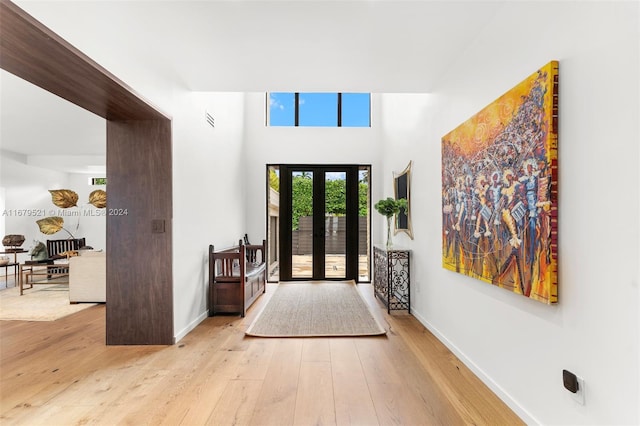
{"x":296,"y":105}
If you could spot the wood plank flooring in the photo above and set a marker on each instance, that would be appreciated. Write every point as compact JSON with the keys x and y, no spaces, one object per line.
{"x":62,"y":373}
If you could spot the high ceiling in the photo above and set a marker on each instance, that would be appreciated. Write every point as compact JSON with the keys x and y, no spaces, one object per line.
{"x":241,"y":46}
{"x":36,"y":122}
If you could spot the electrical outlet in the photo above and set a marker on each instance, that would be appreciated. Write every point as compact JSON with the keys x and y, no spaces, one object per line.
{"x":575,"y":385}
{"x":579,"y":395}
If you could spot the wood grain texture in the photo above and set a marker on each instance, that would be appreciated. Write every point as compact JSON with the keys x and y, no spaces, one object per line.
{"x":314,"y":399}
{"x":353,"y":403}
{"x":139,"y":262}
{"x":276,"y":403}
{"x":139,"y":266}
{"x":216,"y":375}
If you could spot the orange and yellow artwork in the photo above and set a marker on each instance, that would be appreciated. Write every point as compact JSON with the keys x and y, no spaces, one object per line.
{"x":500,"y":190}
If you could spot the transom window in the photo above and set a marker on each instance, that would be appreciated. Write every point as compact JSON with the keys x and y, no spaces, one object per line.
{"x":319,"y":109}
{"x":98,"y":181}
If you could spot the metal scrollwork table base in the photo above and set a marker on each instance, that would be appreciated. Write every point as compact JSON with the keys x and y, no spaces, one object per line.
{"x":391,"y":280}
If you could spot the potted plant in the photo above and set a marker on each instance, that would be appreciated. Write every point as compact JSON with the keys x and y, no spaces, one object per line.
{"x":390,"y":207}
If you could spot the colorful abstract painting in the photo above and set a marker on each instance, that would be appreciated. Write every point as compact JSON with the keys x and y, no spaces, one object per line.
{"x":499,"y":190}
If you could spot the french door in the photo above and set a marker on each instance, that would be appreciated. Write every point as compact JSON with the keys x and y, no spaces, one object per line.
{"x":319,"y":222}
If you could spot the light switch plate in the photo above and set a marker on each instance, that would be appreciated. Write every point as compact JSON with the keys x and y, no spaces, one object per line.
{"x":157,"y":226}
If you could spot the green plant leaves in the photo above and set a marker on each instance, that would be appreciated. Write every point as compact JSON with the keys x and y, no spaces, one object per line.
{"x":390,"y":206}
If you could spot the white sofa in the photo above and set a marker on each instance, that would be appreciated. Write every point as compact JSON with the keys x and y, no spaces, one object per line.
{"x":88,"y":277}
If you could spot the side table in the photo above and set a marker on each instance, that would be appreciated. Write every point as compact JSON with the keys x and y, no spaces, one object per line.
{"x":14,"y":252}
{"x":14,"y":264}
{"x":391,"y":280}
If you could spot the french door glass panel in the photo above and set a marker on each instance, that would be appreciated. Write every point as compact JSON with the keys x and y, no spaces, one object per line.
{"x":335,"y":211}
{"x":324,"y":218}
{"x":302,"y":224}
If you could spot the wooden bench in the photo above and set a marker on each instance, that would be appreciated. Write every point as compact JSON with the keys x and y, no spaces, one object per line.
{"x":237,"y":277}
{"x":57,"y":250}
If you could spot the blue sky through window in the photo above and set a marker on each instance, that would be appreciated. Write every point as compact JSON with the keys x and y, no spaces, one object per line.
{"x":319,"y":109}
{"x":281,"y":109}
{"x":356,"y":110}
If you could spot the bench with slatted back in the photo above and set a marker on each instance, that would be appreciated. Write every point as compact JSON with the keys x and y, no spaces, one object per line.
{"x":237,"y":277}
{"x":56,"y":248}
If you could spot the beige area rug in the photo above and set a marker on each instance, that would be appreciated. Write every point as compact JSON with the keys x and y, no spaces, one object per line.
{"x":44,"y":302}
{"x":315,"y":309}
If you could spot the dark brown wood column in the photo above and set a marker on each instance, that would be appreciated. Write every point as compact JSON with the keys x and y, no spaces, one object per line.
{"x":139,"y":291}
{"x":139,"y":174}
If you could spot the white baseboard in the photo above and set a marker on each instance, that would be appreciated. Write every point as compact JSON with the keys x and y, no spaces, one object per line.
{"x":497,"y":389}
{"x":190,"y":326}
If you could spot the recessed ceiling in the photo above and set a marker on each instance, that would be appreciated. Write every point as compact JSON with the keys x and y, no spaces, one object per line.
{"x":48,"y":131}
{"x":35,"y":121}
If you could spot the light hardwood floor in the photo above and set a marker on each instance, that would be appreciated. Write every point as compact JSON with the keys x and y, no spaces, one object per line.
{"x":61,"y":373}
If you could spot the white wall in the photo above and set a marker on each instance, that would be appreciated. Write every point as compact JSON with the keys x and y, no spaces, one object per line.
{"x":519,"y":346}
{"x":302,"y":145}
{"x":208,"y":196}
{"x":27,"y":198}
{"x":2,"y":204}
{"x":93,"y":222}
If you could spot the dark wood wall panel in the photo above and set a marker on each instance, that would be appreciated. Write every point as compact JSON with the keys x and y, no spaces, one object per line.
{"x":139,"y":267}
{"x":139,"y":260}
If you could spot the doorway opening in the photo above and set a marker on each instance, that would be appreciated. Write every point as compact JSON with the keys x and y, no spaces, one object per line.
{"x":318,"y":222}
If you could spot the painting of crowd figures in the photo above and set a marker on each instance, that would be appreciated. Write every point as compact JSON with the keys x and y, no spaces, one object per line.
{"x":499,"y":190}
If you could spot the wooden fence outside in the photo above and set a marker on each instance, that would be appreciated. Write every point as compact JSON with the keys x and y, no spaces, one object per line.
{"x":335,"y":226}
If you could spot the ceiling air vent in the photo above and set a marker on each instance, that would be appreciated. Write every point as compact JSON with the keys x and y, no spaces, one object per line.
{"x":209,"y":118}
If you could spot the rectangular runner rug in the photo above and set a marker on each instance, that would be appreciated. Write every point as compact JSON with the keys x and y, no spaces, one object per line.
{"x":314,"y":309}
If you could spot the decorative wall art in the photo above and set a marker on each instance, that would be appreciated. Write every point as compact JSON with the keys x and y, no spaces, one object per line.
{"x":402,"y":189}
{"x":499,"y":190}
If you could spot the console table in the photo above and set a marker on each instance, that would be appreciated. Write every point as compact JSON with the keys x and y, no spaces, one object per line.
{"x":391,"y":277}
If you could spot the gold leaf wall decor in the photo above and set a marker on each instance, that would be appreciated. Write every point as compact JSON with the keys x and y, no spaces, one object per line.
{"x":64,"y":198}
{"x":50,"y":225}
{"x":98,"y":198}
